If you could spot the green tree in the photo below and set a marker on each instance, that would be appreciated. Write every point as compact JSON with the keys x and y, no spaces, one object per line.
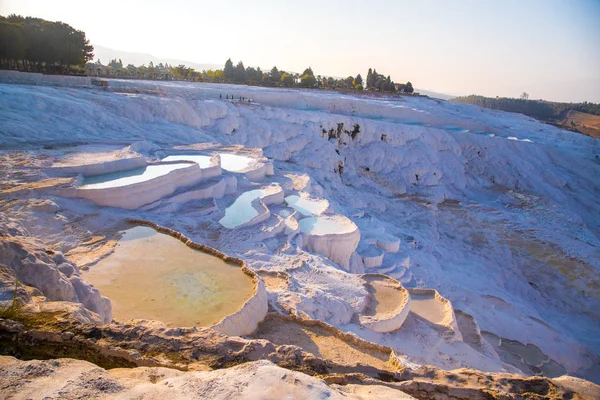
{"x":239,"y":73}
{"x":228,"y":71}
{"x":275,"y":74}
{"x":349,"y":82}
{"x":308,"y":81}
{"x":115,"y":64}
{"x":287,"y":80}
{"x":13,"y":44}
{"x":358,"y":80}
{"x":42,"y":45}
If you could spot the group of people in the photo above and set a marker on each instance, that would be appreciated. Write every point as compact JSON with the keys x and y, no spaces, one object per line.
{"x":241,"y":98}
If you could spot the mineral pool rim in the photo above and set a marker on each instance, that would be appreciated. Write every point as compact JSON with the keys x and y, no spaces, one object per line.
{"x":202,"y":160}
{"x":129,"y":177}
{"x":307,"y":206}
{"x":327,"y":225}
{"x":152,"y":275}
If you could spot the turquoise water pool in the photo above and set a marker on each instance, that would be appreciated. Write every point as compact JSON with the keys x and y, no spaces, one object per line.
{"x":129,"y":177}
{"x":234,"y":162}
{"x":306,"y":206}
{"x":202,"y":161}
{"x":326,"y":225}
{"x":241,"y":211}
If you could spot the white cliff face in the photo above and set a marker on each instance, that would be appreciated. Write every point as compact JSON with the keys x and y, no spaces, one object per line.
{"x":506,"y":230}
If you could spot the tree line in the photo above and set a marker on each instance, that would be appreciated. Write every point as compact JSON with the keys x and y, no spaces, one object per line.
{"x":240,"y":74}
{"x":36,"y":45}
{"x":539,"y":109}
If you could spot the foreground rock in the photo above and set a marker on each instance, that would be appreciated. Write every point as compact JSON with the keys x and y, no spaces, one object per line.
{"x":146,"y":350}
{"x":67,"y":378}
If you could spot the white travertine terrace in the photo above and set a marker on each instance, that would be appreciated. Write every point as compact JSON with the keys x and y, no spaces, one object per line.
{"x":245,"y":320}
{"x":99,"y":168}
{"x":307,"y":205}
{"x":388,"y":243}
{"x":207,"y":190}
{"x":392,"y":304}
{"x":133,"y":196}
{"x":334,"y":236}
{"x":250,"y":208}
{"x":252,"y":168}
{"x":209,"y":164}
{"x":447,"y":317}
{"x":372,"y":256}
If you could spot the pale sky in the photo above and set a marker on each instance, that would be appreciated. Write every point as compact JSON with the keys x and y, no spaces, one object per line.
{"x":548,"y":48}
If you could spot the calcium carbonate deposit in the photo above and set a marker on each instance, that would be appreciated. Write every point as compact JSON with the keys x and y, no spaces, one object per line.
{"x":361,"y":233}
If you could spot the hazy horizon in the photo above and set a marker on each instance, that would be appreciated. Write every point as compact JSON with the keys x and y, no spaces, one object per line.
{"x":546,"y":48}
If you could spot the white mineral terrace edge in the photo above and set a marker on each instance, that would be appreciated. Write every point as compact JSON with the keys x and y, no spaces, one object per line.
{"x":135,"y":188}
{"x":254,"y":169}
{"x":306,"y":205}
{"x":334,"y":236}
{"x":388,"y":304}
{"x":430,"y":305}
{"x":100,"y":168}
{"x":209,"y":164}
{"x":250,"y":207}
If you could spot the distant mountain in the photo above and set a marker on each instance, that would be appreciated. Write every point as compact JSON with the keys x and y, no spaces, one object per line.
{"x":435,"y":95}
{"x":105,"y":55}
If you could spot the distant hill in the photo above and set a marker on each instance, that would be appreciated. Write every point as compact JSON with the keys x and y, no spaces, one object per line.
{"x":105,"y":55}
{"x":579,"y":117}
{"x":585,"y":123}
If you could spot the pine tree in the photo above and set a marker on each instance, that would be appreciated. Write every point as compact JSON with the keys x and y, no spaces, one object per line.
{"x":228,"y":71}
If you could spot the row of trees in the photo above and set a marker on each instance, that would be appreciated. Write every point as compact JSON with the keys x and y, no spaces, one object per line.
{"x":116,"y":69}
{"x":37,"y":45}
{"x":539,"y":109}
{"x":380,"y":83}
{"x":240,"y":74}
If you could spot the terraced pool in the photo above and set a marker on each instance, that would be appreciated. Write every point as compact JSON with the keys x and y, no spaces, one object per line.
{"x":157,"y":277}
{"x":129,"y":177}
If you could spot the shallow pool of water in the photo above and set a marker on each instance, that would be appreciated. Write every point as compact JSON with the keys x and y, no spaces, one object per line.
{"x":155,"y":276}
{"x":241,"y":211}
{"x":129,"y":177}
{"x":385,"y":299}
{"x":202,"y":161}
{"x":234,"y":162}
{"x":427,"y":307}
{"x":326,"y":225}
{"x":307,"y":206}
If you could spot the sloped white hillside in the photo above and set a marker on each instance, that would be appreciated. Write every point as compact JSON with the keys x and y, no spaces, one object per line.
{"x":497,"y":212}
